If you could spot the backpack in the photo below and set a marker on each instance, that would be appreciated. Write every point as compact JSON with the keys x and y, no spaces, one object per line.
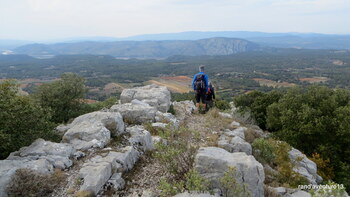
{"x":199,"y":83}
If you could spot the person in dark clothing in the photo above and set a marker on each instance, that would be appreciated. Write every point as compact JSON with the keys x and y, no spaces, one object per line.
{"x":210,"y":96}
{"x":200,"y":86}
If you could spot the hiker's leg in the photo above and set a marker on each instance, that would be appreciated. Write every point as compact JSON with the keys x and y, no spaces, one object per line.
{"x":197,"y":97}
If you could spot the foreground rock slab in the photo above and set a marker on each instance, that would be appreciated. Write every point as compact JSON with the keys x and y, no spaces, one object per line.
{"x":94,"y":130}
{"x":213,"y":162}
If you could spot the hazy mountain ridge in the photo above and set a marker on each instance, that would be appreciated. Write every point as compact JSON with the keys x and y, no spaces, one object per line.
{"x":144,"y":49}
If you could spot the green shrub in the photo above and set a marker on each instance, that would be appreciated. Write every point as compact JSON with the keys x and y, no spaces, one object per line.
{"x":264,"y":150}
{"x":22,"y":120}
{"x":192,"y":182}
{"x":62,"y":97}
{"x":275,"y":153}
{"x":171,"y":109}
{"x":222,"y":105}
{"x":170,"y":188}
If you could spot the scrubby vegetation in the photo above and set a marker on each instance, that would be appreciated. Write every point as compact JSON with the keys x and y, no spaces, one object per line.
{"x":313,"y":119}
{"x":230,"y":186}
{"x":275,"y":154}
{"x":30,"y":183}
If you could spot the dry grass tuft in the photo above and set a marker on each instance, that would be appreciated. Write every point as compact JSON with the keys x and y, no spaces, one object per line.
{"x":27,"y":182}
{"x":269,"y":192}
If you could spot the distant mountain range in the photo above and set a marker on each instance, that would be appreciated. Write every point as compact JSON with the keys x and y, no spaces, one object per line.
{"x":143,"y":49}
{"x":183,"y":43}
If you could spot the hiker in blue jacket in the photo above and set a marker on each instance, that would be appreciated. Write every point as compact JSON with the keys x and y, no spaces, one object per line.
{"x":200,"y":86}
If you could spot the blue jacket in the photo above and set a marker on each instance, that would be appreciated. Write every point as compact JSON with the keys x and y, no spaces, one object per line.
{"x":206,"y":80}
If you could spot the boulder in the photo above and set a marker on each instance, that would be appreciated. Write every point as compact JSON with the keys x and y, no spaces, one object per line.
{"x":156,"y":96}
{"x":239,"y":145}
{"x":167,"y":118}
{"x":236,"y":132}
{"x":95,"y":174}
{"x":125,"y":160}
{"x":116,"y":181}
{"x":213,"y":162}
{"x":98,"y":170}
{"x":304,"y":166}
{"x":57,"y":154}
{"x":113,"y":121}
{"x":225,"y":115}
{"x":183,"y":109}
{"x":140,"y":138}
{"x":87,"y":135}
{"x":135,"y":113}
{"x":94,"y":130}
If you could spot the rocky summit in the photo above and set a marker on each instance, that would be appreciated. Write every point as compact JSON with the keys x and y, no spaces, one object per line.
{"x":136,"y":148}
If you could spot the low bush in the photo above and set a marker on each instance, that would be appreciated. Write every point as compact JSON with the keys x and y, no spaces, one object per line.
{"x":192,"y":182}
{"x":27,"y":182}
{"x":275,"y":153}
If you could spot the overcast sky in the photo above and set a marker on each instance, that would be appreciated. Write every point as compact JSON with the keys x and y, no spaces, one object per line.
{"x":54,"y":19}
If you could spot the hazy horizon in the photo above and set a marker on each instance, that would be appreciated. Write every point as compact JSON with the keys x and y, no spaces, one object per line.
{"x":64,"y":19}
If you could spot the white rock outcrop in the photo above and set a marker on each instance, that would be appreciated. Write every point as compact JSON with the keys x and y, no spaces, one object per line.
{"x":304,"y":166}
{"x":213,"y":162}
{"x":140,"y":138}
{"x":94,"y":130}
{"x":183,"y":109}
{"x":156,"y":96}
{"x":41,"y":156}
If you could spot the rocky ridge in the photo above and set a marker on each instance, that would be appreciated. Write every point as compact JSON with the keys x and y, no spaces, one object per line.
{"x":100,"y":149}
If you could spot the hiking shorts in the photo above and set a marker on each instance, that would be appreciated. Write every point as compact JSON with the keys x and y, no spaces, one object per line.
{"x":200,"y":96}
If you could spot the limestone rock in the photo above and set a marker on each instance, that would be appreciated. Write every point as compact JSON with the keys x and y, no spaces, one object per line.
{"x":57,"y":154}
{"x":156,"y":96}
{"x":298,"y":193}
{"x":213,"y":162}
{"x":225,"y":115}
{"x":140,"y":138}
{"x":167,"y":118}
{"x":86,"y":135}
{"x":183,"y":109}
{"x":116,"y":181}
{"x":95,"y":175}
{"x":159,"y":125}
{"x":125,"y":159}
{"x":113,"y":121}
{"x":94,"y":130}
{"x":235,"y":124}
{"x":236,"y":132}
{"x":304,"y":166}
{"x":135,"y":113}
{"x":239,"y":145}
